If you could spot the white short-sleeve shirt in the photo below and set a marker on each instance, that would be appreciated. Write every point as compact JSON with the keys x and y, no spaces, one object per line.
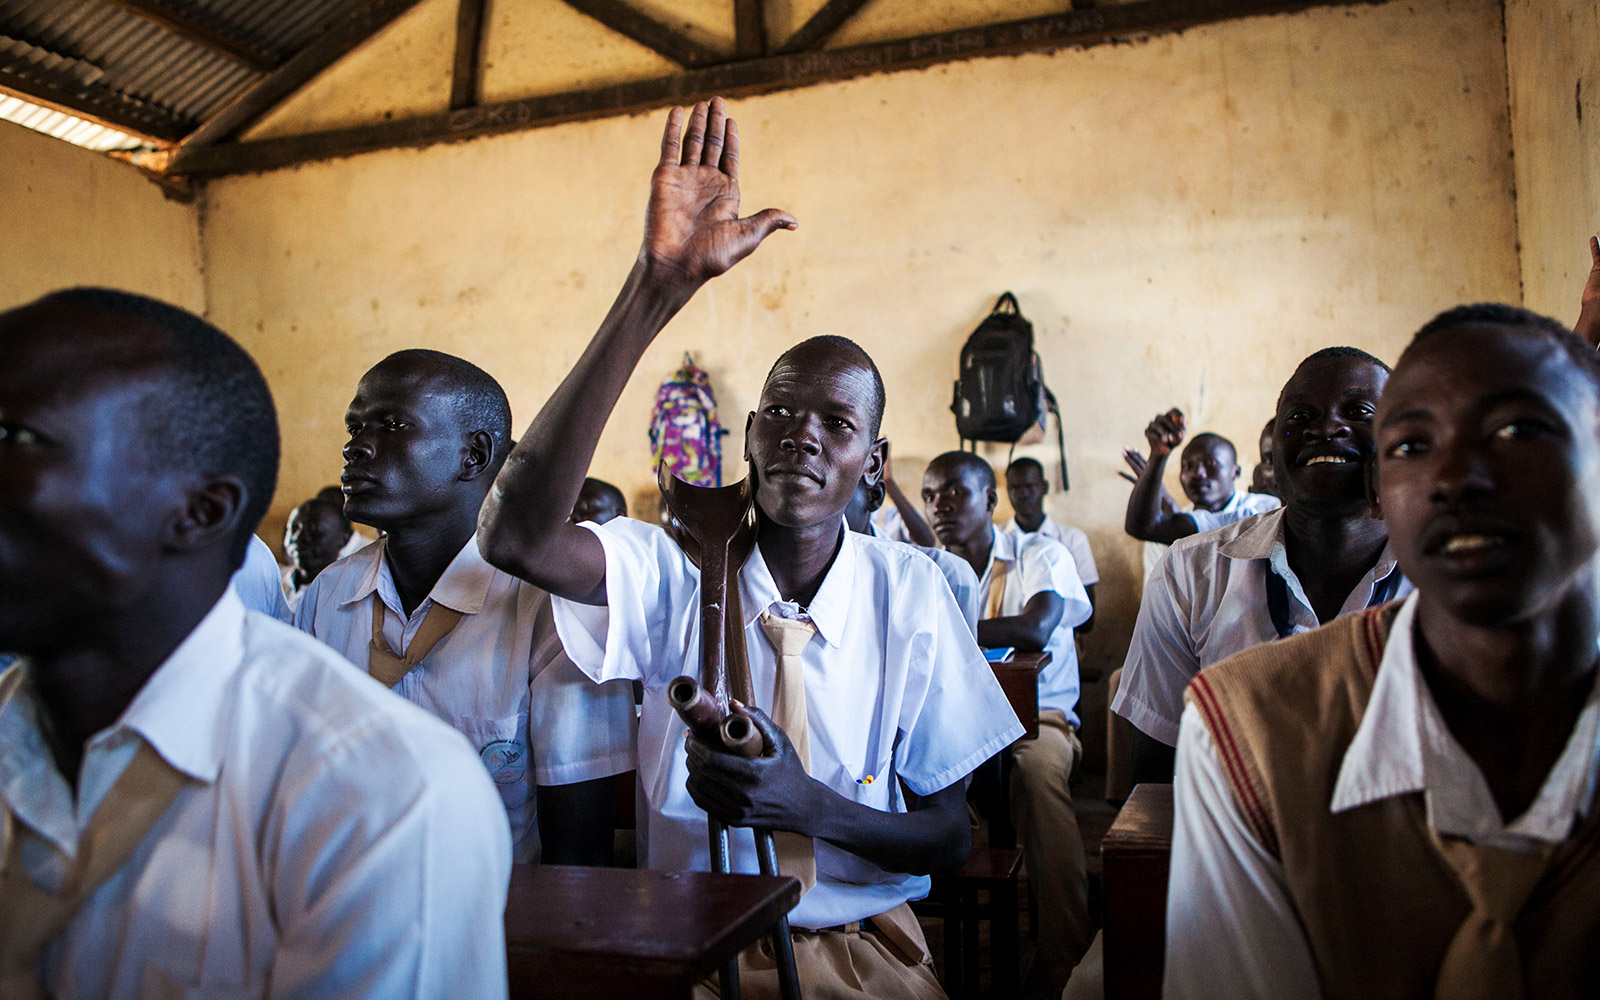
{"x":1232,"y":929}
{"x":896,"y":688}
{"x":1208,"y":601}
{"x":500,"y":678}
{"x":1240,"y":506}
{"x":259,"y":582}
{"x":957,"y":573}
{"x":1074,"y":539}
{"x":331,"y":840}
{"x":1039,"y":565}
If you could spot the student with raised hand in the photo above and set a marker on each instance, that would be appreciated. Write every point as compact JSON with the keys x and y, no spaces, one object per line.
{"x":897,"y":706}
{"x":1032,"y":601}
{"x":1401,"y":804}
{"x":423,"y":613}
{"x":963,"y":582}
{"x":1026,"y":488}
{"x":197,"y":799}
{"x":1208,"y":472}
{"x":1324,"y":554}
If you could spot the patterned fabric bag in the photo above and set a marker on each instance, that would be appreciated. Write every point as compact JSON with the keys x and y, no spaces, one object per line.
{"x":684,"y":432}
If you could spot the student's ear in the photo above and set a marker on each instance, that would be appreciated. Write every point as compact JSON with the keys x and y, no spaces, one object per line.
{"x":994,"y":498}
{"x":872,"y":473}
{"x":478,"y":456}
{"x":749,"y":418}
{"x":208,"y":513}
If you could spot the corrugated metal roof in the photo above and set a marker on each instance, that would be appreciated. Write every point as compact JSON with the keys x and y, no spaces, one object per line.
{"x":129,"y":70}
{"x":66,"y":127}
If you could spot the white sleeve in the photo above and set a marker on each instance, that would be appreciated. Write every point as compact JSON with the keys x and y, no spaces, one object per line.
{"x":1078,"y":544}
{"x":963,"y":584}
{"x":1161,"y":656}
{"x":1232,"y":930}
{"x":402,"y":894}
{"x":579,"y":730}
{"x":259,"y":582}
{"x":1047,"y":566}
{"x":1250,"y":506}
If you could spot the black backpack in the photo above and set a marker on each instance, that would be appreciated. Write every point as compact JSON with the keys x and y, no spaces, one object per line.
{"x":1000,"y":392}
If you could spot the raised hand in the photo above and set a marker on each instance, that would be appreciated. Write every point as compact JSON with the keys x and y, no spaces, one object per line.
{"x":692,"y":229}
{"x":1135,"y":461}
{"x":1165,"y":432}
{"x":1588,"y":326}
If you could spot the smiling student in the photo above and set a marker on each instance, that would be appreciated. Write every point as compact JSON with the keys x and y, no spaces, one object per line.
{"x":1324,"y":554}
{"x":883,"y":702}
{"x":1401,"y":804}
{"x":427,"y":617}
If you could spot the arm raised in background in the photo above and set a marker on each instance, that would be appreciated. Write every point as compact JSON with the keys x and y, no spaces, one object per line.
{"x":1145,"y":519}
{"x":1588,"y":325}
{"x":692,"y":233}
{"x":916,"y":527}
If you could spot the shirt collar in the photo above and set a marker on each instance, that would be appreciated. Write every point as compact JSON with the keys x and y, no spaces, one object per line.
{"x":829,"y":610}
{"x":463,"y":587}
{"x":1403,"y":746}
{"x":1261,"y":537}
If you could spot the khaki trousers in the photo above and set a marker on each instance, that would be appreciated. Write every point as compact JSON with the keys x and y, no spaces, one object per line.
{"x":888,"y":961}
{"x":1052,"y":849}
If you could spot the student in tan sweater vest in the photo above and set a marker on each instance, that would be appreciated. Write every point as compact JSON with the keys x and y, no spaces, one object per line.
{"x":1400,"y":804}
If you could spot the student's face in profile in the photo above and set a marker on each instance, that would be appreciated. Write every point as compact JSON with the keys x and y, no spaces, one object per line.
{"x":1207,"y":473}
{"x":1325,"y":436}
{"x":406,"y":448}
{"x":810,"y":440}
{"x":85,"y":507}
{"x":1025,"y":488}
{"x":957,"y":501}
{"x":1489,"y":472}
{"x":313,"y":537}
{"x":594,"y":504}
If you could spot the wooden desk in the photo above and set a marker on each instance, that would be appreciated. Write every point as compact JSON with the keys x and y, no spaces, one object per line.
{"x":602,"y":933}
{"x":1019,"y":679}
{"x":1135,"y":858}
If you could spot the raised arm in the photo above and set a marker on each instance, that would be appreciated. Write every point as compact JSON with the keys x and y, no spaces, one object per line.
{"x":692,"y":233}
{"x":1145,"y":519}
{"x":916,"y":527}
{"x":1588,"y":326}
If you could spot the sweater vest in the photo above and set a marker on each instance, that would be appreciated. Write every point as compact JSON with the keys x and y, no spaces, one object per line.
{"x":1377,"y":900}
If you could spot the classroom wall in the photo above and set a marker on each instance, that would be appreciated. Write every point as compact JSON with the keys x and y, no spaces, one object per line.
{"x":1183,"y":219}
{"x":72,"y":217}
{"x":1553,"y":55}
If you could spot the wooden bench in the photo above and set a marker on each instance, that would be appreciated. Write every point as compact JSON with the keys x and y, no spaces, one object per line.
{"x":604,"y":933}
{"x":954,"y":900}
{"x":1135,"y":858}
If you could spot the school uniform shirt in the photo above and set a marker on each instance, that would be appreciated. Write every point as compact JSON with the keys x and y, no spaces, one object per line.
{"x":499,"y":678}
{"x":330,"y":840}
{"x":1211,"y":599}
{"x":896,"y":690}
{"x":891,"y":525}
{"x":259,"y":582}
{"x":1039,"y":565}
{"x":1074,"y":539}
{"x":1240,"y":506}
{"x":957,"y":573}
{"x":359,"y":539}
{"x":1252,"y":944}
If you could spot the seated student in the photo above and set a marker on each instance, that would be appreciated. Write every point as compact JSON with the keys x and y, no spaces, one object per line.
{"x":315,"y":535}
{"x":1402,"y":803}
{"x":259,"y":582}
{"x":1032,"y":601}
{"x":1026,"y":487}
{"x":1324,"y":554}
{"x":1262,"y":477}
{"x":1208,"y":471}
{"x":963,"y":582}
{"x":598,"y":501}
{"x":886,"y":706}
{"x":360,"y":538}
{"x":425,"y":615}
{"x":198,"y":800}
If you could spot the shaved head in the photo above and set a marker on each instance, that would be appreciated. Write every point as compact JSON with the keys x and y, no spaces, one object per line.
{"x":480,"y":402}
{"x":832,"y":349}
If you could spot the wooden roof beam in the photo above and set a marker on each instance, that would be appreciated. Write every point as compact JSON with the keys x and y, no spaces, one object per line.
{"x":465,"y":74}
{"x":647,"y":31}
{"x":201,"y":33}
{"x":749,"y":28}
{"x":820,"y":25}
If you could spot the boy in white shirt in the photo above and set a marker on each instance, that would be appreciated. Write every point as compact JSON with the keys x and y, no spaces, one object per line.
{"x":1026,"y":488}
{"x":423,"y":612}
{"x":1032,"y":601}
{"x":963,"y":582}
{"x":882,"y":687}
{"x":1324,"y":554}
{"x":199,"y":800}
{"x":1402,"y":803}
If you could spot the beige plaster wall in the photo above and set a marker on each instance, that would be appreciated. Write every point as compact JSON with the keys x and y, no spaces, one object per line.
{"x":72,"y":217}
{"x":1183,"y":219}
{"x":1553,"y":55}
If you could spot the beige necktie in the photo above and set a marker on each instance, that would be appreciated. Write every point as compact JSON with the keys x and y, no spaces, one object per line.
{"x":796,"y":854}
{"x":1483,"y":959}
{"x":31,"y":917}
{"x":997,"y":587}
{"x":384,"y":665}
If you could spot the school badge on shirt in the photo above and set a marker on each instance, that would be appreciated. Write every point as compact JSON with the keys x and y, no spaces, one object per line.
{"x":506,"y":760}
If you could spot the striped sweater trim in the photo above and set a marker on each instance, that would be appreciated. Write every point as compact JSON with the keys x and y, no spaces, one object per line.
{"x":1250,"y":797}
